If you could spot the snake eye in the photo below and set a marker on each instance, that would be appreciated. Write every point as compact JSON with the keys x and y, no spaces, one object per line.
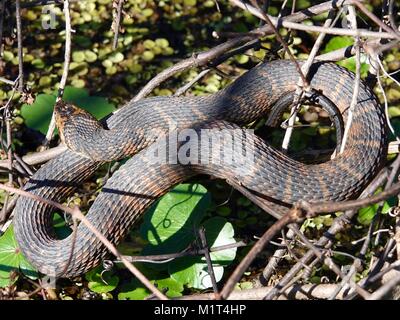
{"x":65,"y":109}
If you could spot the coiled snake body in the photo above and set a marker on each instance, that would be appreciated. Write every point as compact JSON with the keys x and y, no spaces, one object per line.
{"x":138,"y":183}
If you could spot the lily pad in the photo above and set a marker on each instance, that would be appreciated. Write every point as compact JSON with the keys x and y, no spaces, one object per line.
{"x":169,"y":225}
{"x":193,"y":271}
{"x":38,"y":115}
{"x":12,"y":260}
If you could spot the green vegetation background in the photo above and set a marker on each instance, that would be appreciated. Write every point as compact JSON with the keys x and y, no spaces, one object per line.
{"x":154,"y":35}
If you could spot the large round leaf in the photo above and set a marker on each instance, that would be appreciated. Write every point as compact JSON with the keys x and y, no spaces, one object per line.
{"x":11,"y":260}
{"x":38,"y":115}
{"x":193,"y":271}
{"x":170,"y":224}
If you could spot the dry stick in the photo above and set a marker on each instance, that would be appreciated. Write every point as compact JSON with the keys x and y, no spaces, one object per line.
{"x":375,"y":19}
{"x":385,"y":289}
{"x":282,"y":42}
{"x":19,"y":41}
{"x":274,"y":260}
{"x":327,"y":239}
{"x":9,"y":161}
{"x":305,"y":68}
{"x":337,"y":55}
{"x":303,"y":83}
{"x":187,"y":86}
{"x":116,"y":21}
{"x":7,"y":81}
{"x":2,"y":9}
{"x":63,"y":81}
{"x":376,"y":267}
{"x":295,"y":292}
{"x":163,"y":258}
{"x":24,"y":165}
{"x":333,"y":266}
{"x":282,"y":8}
{"x":387,"y":74}
{"x":292,"y":216}
{"x":354,"y":100}
{"x":77,"y":214}
{"x":331,"y":206}
{"x":395,"y":265}
{"x":394,"y":170}
{"x":39,"y":157}
{"x":397,"y":236}
{"x":257,"y":248}
{"x":303,"y":27}
{"x":391,"y":17}
{"x":344,"y":284}
{"x":357,"y":262}
{"x":205,"y":57}
{"x":339,"y":31}
{"x":44,"y":3}
{"x":296,"y":278}
{"x":207,"y":256}
{"x":385,"y":102}
{"x":377,"y":59}
{"x":4,"y":214}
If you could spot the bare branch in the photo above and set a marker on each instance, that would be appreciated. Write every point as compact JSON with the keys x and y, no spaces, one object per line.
{"x":67,"y":59}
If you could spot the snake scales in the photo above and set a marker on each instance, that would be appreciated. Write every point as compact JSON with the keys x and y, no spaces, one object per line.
{"x":138,"y":183}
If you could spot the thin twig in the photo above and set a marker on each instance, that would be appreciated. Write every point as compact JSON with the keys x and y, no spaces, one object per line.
{"x":294,"y":292}
{"x":188,"y":85}
{"x":375,"y":19}
{"x":392,"y":13}
{"x":19,"y":41}
{"x":303,"y":27}
{"x":290,"y":217}
{"x":67,"y":59}
{"x":39,"y":157}
{"x":163,"y":258}
{"x":207,"y":256}
{"x":282,"y":42}
{"x":354,"y":100}
{"x":305,"y":68}
{"x":2,"y":9}
{"x":327,"y":240}
{"x":117,"y":10}
{"x":204,"y":58}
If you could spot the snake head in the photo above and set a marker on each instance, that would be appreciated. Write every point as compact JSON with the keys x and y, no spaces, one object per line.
{"x":75,"y":125}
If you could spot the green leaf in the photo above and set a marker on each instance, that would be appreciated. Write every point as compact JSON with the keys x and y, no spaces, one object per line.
{"x":101,"y":283}
{"x":337,"y":43}
{"x":169,"y":225}
{"x":11,"y":259}
{"x":38,"y":115}
{"x":60,"y":227}
{"x":134,"y":290}
{"x":394,"y":111}
{"x":90,"y":56}
{"x":193,"y":271}
{"x":350,"y":64}
{"x":366,"y":214}
{"x":173,"y":288}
